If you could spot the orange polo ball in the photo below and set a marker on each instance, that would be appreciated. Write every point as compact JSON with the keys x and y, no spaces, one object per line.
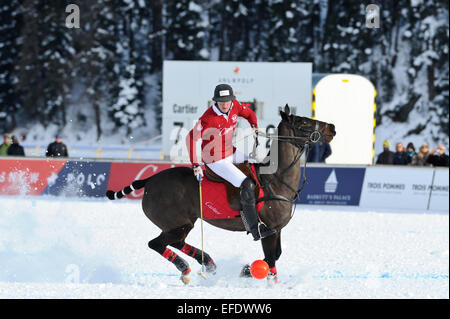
{"x":259,"y":269}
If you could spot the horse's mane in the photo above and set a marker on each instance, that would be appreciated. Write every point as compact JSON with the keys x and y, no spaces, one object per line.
{"x":266,"y":162}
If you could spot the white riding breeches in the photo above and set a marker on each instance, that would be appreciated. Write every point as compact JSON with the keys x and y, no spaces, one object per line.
{"x":225,"y":168}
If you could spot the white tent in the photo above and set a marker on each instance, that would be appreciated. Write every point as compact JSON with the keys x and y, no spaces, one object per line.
{"x":347,"y":101}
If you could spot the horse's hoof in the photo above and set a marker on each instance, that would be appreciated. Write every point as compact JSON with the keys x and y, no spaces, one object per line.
{"x":245,"y":272}
{"x":211,"y":267}
{"x":186,"y":278}
{"x":272,"y":278}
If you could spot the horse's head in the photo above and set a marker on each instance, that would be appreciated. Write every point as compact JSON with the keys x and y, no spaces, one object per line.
{"x":306,"y":130}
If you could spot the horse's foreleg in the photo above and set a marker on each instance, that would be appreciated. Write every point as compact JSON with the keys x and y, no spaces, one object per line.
{"x":278,"y":252}
{"x":272,"y":251}
{"x":196,"y":253}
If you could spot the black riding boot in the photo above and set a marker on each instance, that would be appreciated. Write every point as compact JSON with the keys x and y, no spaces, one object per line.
{"x":249,"y":214}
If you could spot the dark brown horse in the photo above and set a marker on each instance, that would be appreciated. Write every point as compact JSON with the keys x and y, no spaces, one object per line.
{"x":171,"y":198}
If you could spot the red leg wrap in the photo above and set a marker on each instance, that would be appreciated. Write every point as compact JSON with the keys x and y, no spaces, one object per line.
{"x":167,"y":253}
{"x":273,"y":270}
{"x":187,"y":271}
{"x":189,"y":250}
{"x":186,"y":249}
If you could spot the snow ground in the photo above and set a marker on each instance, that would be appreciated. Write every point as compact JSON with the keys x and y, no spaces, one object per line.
{"x":66,"y":248}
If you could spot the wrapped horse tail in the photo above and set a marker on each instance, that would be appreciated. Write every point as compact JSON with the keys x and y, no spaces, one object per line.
{"x":138,"y":184}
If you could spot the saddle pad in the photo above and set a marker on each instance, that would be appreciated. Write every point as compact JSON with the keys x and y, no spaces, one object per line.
{"x":215,"y":204}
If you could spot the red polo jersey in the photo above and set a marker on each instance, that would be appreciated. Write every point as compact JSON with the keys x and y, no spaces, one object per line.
{"x":216,"y":131}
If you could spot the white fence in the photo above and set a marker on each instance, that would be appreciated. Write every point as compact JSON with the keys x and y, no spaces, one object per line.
{"x":99,"y":152}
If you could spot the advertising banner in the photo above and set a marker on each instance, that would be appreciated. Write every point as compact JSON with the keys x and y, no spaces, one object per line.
{"x":123,"y":174}
{"x":27,"y":177}
{"x":188,"y":88}
{"x":332,"y":186}
{"x":397,"y":187}
{"x":388,"y":187}
{"x":79,"y":179}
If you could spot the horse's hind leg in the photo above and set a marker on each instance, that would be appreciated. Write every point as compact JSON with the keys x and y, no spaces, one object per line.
{"x":159,"y":244}
{"x":196,"y":253}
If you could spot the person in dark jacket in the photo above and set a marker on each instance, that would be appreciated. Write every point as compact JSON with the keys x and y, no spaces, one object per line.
{"x":421,"y":158}
{"x":15,"y":149}
{"x":386,"y":157}
{"x":410,"y":153}
{"x":319,"y":152}
{"x":57,"y":148}
{"x":400,"y":157}
{"x":438,"y":157}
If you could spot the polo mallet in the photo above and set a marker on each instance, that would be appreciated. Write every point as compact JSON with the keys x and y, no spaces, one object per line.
{"x":201,"y":272}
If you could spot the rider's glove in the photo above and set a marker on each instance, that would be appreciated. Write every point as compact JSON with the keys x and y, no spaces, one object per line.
{"x":198,"y":172}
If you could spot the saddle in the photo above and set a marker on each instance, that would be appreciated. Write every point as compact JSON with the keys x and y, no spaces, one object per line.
{"x":233,"y":193}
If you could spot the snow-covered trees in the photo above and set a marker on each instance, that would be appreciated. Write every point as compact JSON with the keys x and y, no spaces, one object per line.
{"x":45,"y":65}
{"x":96,"y":58}
{"x":183,"y":25}
{"x":117,"y":53}
{"x":9,"y":56}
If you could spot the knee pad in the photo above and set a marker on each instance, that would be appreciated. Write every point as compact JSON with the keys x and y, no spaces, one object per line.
{"x":248,"y":190}
{"x":248,"y":185}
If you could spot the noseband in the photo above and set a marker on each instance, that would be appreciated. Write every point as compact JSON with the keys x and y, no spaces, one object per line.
{"x":305,"y":136}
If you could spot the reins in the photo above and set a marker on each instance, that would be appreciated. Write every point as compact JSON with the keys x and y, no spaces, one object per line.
{"x":302,"y":144}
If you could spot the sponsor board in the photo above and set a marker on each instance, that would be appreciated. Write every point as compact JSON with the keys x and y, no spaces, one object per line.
{"x":439,"y":196}
{"x":332,"y":186}
{"x":123,"y":174}
{"x":396,"y":187}
{"x":188,"y":88}
{"x":72,"y":178}
{"x":372,"y":187}
{"x":27,"y":177}
{"x":79,"y":179}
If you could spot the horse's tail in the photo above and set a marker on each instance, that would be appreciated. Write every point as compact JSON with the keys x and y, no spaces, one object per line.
{"x":138,"y":184}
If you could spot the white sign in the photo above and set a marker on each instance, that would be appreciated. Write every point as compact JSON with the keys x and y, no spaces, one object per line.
{"x":347,"y":101}
{"x":188,"y":88}
{"x":439,"y":192}
{"x":396,"y":187}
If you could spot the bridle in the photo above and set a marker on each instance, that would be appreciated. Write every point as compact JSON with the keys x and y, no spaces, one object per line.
{"x":301,"y":140}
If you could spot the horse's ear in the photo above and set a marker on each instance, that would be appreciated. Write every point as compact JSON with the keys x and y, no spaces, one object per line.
{"x":287,"y":110}
{"x":284,"y":116}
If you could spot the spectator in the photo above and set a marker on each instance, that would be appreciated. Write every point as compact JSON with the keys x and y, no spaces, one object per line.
{"x":15,"y":149}
{"x":410,"y":152}
{"x":438,"y":157}
{"x":386,"y":157}
{"x":319,"y":152}
{"x":421,"y":158}
{"x":5,"y":145}
{"x":57,"y":148}
{"x":400,"y":157}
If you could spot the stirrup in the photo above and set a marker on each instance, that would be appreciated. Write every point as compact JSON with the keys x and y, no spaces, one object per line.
{"x":265,"y":231}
